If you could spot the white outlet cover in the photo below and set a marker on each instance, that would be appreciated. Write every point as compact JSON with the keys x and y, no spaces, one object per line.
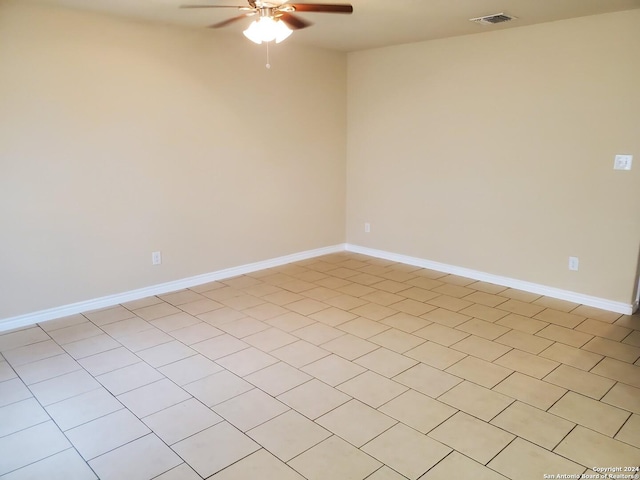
{"x":623,"y":162}
{"x":574,"y":263}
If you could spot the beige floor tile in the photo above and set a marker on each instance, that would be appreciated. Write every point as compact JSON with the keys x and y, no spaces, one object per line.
{"x":243,"y":327}
{"x":617,"y":370}
{"x":108,"y":361}
{"x":590,"y":413}
{"x":556,"y":304}
{"x":270,"y":339}
{"x":13,"y":390}
{"x":190,"y":369}
{"x":318,"y":333}
{"x":425,"y":282}
{"x":198,"y":332}
{"x":220,"y":346}
{"x":435,"y":355}
{"x":524,"y":341}
{"x":445,"y":317}
{"x":47,"y":368}
{"x":630,"y":432}
{"x":76,"y":332}
{"x":91,"y":346}
{"x":419,"y":294}
{"x":412,"y":307}
{"x":242,"y":302}
{"x":572,"y":356}
{"x":521,"y":308}
{"x":241,"y":281}
{"x":441,"y":334}
{"x":624,"y":396}
{"x":143,"y":302}
{"x":282,"y":297}
{"x":356,"y":422}
{"x":333,"y":316}
{"x":345,"y":302}
{"x":265,"y":312}
{"x":472,"y":437}
{"x":633,"y":338}
{"x":146,"y":457}
{"x":333,"y":370}
{"x":222,"y":293}
{"x":455,"y":291}
{"x":32,"y":353}
{"x":534,"y":425}
{"x":588,"y":384}
{"x":217,"y":388}
{"x":6,"y":372}
{"x":126,"y":327}
{"x":456,"y":465}
{"x":250,"y":409}
{"x":406,"y":451}
{"x":418,"y":411}
{"x":530,"y":390}
{"x":520,"y":295}
{"x":483,"y":329}
{"x":314,"y":398}
{"x":300,"y":353}
{"x":565,"y":335}
{"x":114,"y":314}
{"x":246,"y":361}
{"x":221,"y":316}
{"x":83,"y":408}
{"x":135,"y":342}
{"x":385,"y":473}
{"x":321,"y":293}
{"x":525,"y":461}
{"x":129,"y":378}
{"x":562,"y":319}
{"x":63,"y":387}
{"x":486,"y":299}
{"x":60,"y":466}
{"x":447,"y":302}
{"x":487,"y":287}
{"x":526,"y":363}
{"x":391,"y":286}
{"x":372,"y":389}
{"x":181,"y":472}
{"x":481,"y":348}
{"x":363,"y":327}
{"x":181,"y":297}
{"x":290,"y":321}
{"x":20,"y":338}
{"x":166,"y":353}
{"x":479,"y":371}
{"x":483,"y":312}
{"x":617,"y":350}
{"x":522,"y":323}
{"x":397,"y":340}
{"x":288,"y":435}
{"x":278,"y":378}
{"x":20,"y":415}
{"x":260,"y":464}
{"x":590,"y":448}
{"x":385,"y":362}
{"x":156,"y":311}
{"x":596,"y":313}
{"x":381,"y":297}
{"x":30,"y":445}
{"x":373,"y":311}
{"x":349,"y":346}
{"x":106,"y":433}
{"x":231,"y":446}
{"x":306,"y":306}
{"x":404,"y":322}
{"x":346,"y":461}
{"x":357,"y":289}
{"x":602,"y":329}
{"x":152,"y":398}
{"x":427,"y":380}
{"x":200,"y":306}
{"x":476,"y":400}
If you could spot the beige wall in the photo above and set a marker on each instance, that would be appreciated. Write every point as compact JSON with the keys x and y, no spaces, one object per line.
{"x":494,"y":152}
{"x":120,"y":138}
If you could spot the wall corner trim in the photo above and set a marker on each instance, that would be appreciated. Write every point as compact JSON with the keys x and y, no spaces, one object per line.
{"x":602,"y":303}
{"x":112,"y":300}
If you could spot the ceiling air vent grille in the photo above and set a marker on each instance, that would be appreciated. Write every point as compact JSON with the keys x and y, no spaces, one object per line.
{"x":493,"y":19}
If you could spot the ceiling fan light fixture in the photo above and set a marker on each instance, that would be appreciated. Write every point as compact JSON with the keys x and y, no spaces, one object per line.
{"x":267,"y":29}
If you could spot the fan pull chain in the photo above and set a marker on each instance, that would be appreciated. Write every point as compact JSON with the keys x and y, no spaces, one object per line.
{"x":268,"y":65}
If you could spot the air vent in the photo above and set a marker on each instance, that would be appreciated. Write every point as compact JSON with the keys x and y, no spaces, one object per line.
{"x":492,"y":19}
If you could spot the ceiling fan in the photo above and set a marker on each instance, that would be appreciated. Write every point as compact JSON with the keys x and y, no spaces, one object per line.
{"x":275,"y":21}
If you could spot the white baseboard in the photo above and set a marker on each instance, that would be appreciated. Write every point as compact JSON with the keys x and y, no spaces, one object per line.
{"x":602,"y":303}
{"x":111,"y":300}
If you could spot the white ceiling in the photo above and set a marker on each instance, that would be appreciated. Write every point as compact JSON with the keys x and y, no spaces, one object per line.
{"x":374,"y":23}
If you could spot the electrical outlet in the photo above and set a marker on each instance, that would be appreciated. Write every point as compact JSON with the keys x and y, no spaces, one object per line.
{"x":574,"y":263}
{"x":623,"y":162}
{"x":367,"y":228}
{"x":156,"y":258}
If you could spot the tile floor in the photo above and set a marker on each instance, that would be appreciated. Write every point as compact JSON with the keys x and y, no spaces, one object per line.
{"x":338,"y":367}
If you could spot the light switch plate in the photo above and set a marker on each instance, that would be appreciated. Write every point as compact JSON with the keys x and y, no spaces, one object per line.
{"x":623,"y":162}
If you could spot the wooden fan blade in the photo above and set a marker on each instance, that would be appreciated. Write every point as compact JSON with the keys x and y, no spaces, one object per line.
{"x":322,"y":7}
{"x":295,"y":23}
{"x":224,"y":23}
{"x":210,"y":6}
